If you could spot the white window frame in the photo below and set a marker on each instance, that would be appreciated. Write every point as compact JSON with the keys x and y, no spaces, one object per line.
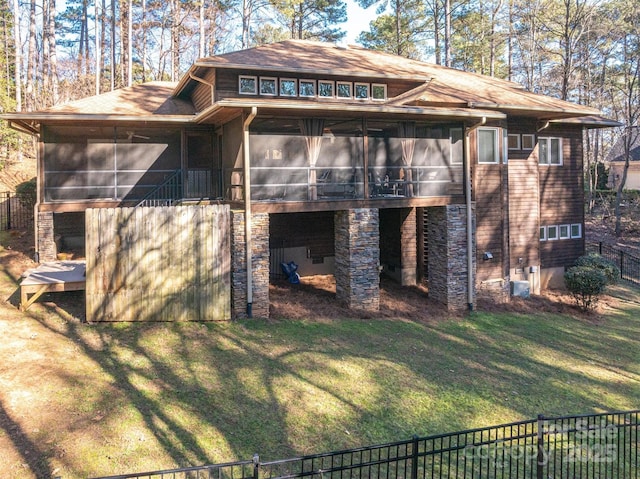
{"x":255,"y":84}
{"x":530,"y":143}
{"x":361,"y":84}
{"x":548,"y":140}
{"x":305,"y":81}
{"x":578,"y":234}
{"x":496,"y":146}
{"x":552,"y":232}
{"x":567,"y":232}
{"x":295,"y":87}
{"x":384,"y":91}
{"x":344,"y":83}
{"x":332,"y":84}
{"x":275,"y":85}
{"x":518,"y":145}
{"x":543,"y":233}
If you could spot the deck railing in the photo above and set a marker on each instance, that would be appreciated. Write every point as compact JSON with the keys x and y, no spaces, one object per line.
{"x":602,"y":446}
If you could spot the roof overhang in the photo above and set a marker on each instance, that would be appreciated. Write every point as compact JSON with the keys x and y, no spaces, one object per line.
{"x":224,"y":108}
{"x":30,"y":122}
{"x":538,"y":112}
{"x":591,"y":121}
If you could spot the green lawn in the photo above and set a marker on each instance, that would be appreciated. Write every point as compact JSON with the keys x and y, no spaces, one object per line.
{"x":82,"y":400}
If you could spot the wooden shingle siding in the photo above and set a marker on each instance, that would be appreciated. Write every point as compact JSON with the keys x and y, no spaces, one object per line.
{"x":562,"y":198}
{"x":201,"y":96}
{"x":490,"y":213}
{"x":524,"y":213}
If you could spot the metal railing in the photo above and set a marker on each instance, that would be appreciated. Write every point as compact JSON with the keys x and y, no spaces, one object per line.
{"x":16,"y":211}
{"x":166,"y":193}
{"x":592,"y":446}
{"x":629,"y":265}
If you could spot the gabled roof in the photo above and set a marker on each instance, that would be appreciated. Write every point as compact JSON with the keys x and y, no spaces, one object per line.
{"x":617,"y":152}
{"x":442,"y":86}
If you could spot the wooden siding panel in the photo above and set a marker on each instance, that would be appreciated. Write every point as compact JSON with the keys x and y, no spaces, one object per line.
{"x":524,"y":212}
{"x":489,"y":193}
{"x":158,"y":264}
{"x":201,"y":95}
{"x":562,"y":198}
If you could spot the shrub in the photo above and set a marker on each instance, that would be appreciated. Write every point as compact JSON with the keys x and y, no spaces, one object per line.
{"x":594,"y":260}
{"x":586,"y":284}
{"x":26,"y":191}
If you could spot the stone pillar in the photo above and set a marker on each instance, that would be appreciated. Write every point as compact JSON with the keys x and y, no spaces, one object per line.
{"x":357,"y":258}
{"x":45,"y":237}
{"x":260,"y":265}
{"x":447,"y":252}
{"x":408,"y":247}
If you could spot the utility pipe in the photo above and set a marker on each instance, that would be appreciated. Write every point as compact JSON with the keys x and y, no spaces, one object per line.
{"x":467,"y":194}
{"x":247,"y":206}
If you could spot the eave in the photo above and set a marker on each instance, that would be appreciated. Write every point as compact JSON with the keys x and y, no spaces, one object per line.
{"x":30,"y":122}
{"x":234,"y":106}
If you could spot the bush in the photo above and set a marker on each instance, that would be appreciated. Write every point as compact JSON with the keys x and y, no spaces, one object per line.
{"x":26,"y":191}
{"x":585,"y":284}
{"x":594,"y":260}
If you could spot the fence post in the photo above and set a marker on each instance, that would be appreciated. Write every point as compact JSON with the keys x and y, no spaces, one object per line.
{"x":256,"y":466}
{"x":414,"y":459}
{"x":621,"y":264}
{"x":540,"y":461}
{"x":9,"y":211}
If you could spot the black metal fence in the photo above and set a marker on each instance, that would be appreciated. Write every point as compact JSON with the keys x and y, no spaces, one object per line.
{"x":629,"y":265}
{"x":593,"y":446}
{"x":16,"y":211}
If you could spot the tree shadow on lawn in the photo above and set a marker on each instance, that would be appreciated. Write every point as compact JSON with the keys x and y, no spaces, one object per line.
{"x":211,"y":393}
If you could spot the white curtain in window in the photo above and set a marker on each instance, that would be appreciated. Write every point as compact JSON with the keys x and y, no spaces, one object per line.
{"x":407,"y":134}
{"x":312,"y":129}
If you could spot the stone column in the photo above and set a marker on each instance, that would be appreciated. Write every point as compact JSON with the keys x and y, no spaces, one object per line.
{"x":408,"y":246}
{"x":357,"y":258}
{"x":45,"y":237}
{"x":260,"y":265}
{"x":447,"y":252}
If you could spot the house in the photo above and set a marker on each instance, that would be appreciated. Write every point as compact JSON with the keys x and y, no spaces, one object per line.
{"x":344,"y":160}
{"x":616,"y":159}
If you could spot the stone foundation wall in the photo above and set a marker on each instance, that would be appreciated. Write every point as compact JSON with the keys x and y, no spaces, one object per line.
{"x":408,"y":245}
{"x":447,"y":251}
{"x":357,"y":259}
{"x":260,"y":265}
{"x":45,"y":237}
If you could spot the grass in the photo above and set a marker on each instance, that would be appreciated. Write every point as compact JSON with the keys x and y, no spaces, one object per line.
{"x":83,"y":400}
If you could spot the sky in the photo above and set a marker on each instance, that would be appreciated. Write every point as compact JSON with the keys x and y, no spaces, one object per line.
{"x":358,"y":20}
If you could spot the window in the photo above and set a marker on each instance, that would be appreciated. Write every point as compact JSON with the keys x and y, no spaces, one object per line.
{"x":268,"y":86}
{"x":379,"y":91}
{"x":457,"y":151}
{"x":550,"y":151}
{"x":361,"y":91}
{"x":488,"y":150}
{"x":543,"y":233}
{"x":326,"y":89}
{"x":343,"y":89}
{"x":552,"y":233}
{"x":528,"y":142}
{"x":308,"y":88}
{"x":247,"y":85}
{"x":564,"y":231}
{"x":288,"y":87}
{"x":513,"y":142}
{"x":576,"y":230}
